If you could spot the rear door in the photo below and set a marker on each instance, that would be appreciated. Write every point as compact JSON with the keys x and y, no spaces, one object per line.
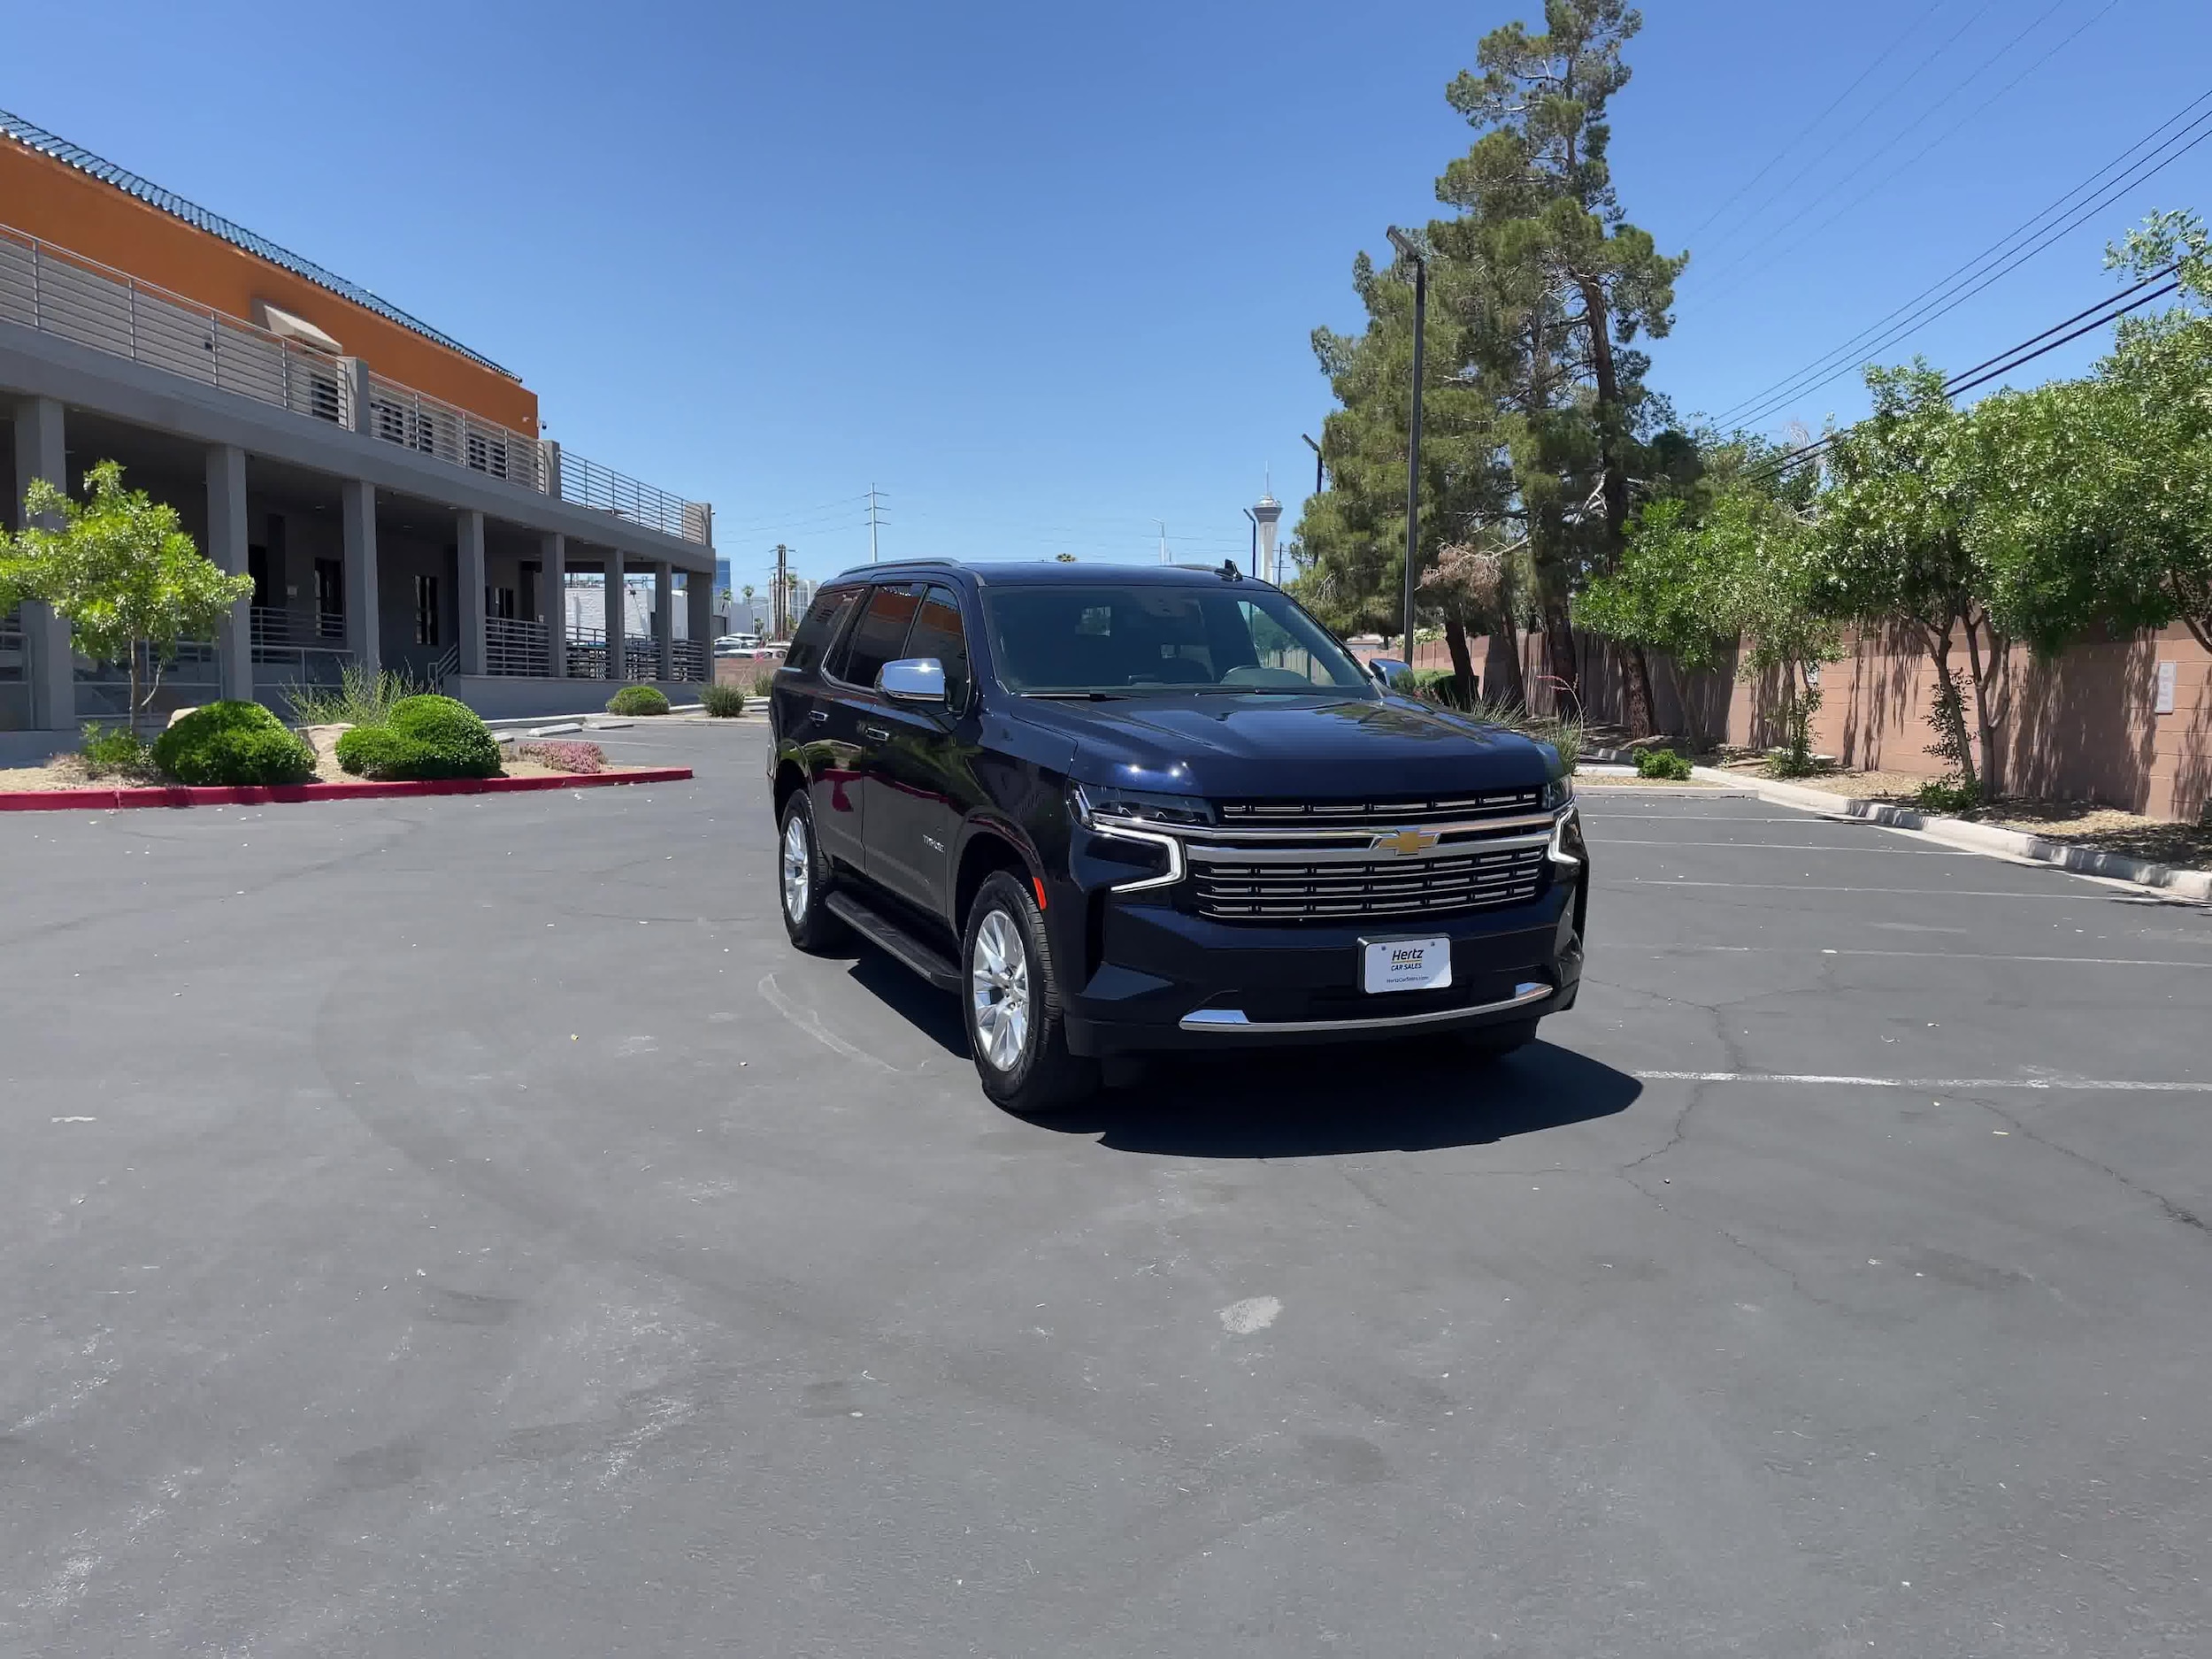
{"x":850,"y":724}
{"x":920,"y":782}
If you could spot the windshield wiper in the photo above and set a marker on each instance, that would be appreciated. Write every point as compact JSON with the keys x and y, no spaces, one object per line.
{"x":1081,"y":696}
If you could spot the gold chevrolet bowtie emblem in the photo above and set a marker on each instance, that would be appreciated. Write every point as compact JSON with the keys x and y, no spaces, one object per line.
{"x":1405,"y":842}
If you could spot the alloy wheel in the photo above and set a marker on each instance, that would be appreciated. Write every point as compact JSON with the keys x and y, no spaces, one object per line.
{"x":998,"y":982}
{"x":798,"y":867}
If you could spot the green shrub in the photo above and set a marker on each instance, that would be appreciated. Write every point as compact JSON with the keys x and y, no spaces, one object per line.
{"x":764,"y":681}
{"x":1948,"y":795}
{"x":1663,"y":762}
{"x":232,"y":743}
{"x":370,"y":751}
{"x":114,"y":751}
{"x":722,"y":701}
{"x":636,"y":699}
{"x":442,"y":738}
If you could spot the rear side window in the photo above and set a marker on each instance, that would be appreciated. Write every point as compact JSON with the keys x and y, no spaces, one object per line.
{"x":938,"y":634}
{"x":876,"y":638}
{"x":818,"y":627}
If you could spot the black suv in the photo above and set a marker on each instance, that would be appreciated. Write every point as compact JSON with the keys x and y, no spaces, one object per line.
{"x":1119,"y":810}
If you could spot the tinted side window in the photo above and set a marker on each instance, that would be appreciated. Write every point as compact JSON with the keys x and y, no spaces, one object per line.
{"x":818,"y":627}
{"x":938,"y":634}
{"x":875,"y":639}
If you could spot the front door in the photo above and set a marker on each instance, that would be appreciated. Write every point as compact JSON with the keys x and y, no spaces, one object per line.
{"x":847,"y":724}
{"x":918,"y":786}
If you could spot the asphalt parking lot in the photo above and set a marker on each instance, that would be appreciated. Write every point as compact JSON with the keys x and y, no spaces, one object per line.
{"x":464,"y":1226}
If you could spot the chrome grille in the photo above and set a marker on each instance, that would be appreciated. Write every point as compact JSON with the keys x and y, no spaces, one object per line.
{"x":1381,"y":815}
{"x":1274,"y":891}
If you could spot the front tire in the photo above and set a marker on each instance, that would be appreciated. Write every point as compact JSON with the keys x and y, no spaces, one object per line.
{"x":802,"y":879}
{"x":1011,"y":1000}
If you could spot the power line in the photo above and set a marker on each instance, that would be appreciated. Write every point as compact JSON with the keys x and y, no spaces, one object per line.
{"x":1995,"y":262}
{"x":1771,"y":255}
{"x":1873,"y":110}
{"x":2012,"y":357}
{"x":1888,"y":52}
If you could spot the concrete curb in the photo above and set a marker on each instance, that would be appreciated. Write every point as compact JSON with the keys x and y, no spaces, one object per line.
{"x":179,"y":795}
{"x":1981,"y":838}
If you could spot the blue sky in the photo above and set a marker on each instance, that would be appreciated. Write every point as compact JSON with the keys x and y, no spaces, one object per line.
{"x":1046,"y":273}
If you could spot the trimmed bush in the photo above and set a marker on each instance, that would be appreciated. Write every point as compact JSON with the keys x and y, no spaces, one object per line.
{"x":114,"y":751}
{"x":636,"y":699}
{"x":721,"y":701}
{"x":1663,"y":762}
{"x":369,"y":751}
{"x":228,"y":744}
{"x":443,"y":738}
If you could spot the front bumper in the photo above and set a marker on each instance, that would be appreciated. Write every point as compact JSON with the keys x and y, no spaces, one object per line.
{"x":1155,"y":976}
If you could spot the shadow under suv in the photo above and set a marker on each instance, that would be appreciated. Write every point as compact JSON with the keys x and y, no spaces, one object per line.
{"x":1120,"y":811}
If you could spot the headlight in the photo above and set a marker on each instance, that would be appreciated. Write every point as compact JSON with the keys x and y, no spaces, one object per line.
{"x":1094,"y":802}
{"x":1558,"y":791}
{"x":1120,"y":815}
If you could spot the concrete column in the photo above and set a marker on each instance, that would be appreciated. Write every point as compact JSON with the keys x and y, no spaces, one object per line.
{"x":468,"y":540}
{"x":227,"y":547}
{"x":551,"y":450}
{"x":357,"y":512}
{"x":49,"y":654}
{"x":617,"y":616}
{"x":553,"y":594}
{"x":665,"y":618}
{"x":699,"y":618}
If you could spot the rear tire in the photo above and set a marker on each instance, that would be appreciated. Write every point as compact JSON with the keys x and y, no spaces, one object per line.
{"x":802,"y":879}
{"x":1010,"y":1001}
{"x":1495,"y":1043}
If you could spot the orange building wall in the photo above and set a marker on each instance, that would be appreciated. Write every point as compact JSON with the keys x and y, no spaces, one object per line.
{"x":54,"y":201}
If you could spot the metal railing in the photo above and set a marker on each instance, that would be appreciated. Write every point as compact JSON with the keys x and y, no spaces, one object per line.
{"x":64,"y":294}
{"x":586,"y":654}
{"x":585,"y":483}
{"x":691,"y":661}
{"x":68,"y":295}
{"x":297,"y":646}
{"x":514,"y":648}
{"x":416,"y":420}
{"x":272,"y":625}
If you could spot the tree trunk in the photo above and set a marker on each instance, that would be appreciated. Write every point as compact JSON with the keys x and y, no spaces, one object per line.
{"x":1987,"y":677}
{"x":1559,"y":648}
{"x":1951,"y":706}
{"x":130,"y":709}
{"x":1643,"y":707}
{"x":1596,"y":311}
{"x":1515,"y":688}
{"x":1463,"y":659}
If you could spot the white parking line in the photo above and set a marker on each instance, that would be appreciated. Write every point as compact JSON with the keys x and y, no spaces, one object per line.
{"x":1801,"y":887}
{"x":1791,"y":846}
{"x":1953,"y":1085}
{"x":1925,"y":956}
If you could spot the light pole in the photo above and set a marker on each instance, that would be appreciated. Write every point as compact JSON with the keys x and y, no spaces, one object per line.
{"x":1405,"y":248}
{"x":1319,"y":484}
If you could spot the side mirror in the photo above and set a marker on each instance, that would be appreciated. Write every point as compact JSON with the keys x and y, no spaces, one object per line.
{"x":913,"y":680}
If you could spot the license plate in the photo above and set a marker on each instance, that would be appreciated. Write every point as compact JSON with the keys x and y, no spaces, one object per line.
{"x":1406,"y":965}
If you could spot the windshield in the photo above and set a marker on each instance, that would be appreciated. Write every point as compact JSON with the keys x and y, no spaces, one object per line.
{"x":1144,"y":638}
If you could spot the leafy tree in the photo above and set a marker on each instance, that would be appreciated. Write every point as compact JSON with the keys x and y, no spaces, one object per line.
{"x":122,"y":573}
{"x":1899,"y":544}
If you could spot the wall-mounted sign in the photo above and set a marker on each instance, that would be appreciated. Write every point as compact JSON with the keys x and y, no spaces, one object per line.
{"x":2168,"y":673}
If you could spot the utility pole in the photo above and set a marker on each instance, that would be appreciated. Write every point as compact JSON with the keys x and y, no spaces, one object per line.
{"x":1319,"y":485}
{"x":1405,"y":245}
{"x":874,"y":518}
{"x":1162,"y":524}
{"x":783,"y":595}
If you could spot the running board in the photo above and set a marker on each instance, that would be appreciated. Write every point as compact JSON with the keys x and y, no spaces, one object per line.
{"x":880,"y":931}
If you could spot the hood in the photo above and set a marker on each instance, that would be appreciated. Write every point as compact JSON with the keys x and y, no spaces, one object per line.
{"x":1325,"y":746}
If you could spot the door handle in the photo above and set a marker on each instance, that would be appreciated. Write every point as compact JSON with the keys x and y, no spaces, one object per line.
{"x":820,"y":717}
{"x":879,"y":733}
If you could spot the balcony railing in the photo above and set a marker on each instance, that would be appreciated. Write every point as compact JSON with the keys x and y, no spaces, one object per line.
{"x":66,"y":294}
{"x":514,"y":648}
{"x":60,"y":293}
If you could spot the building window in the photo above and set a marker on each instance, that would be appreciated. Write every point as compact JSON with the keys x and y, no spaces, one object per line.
{"x":499,"y":603}
{"x":425,"y":609}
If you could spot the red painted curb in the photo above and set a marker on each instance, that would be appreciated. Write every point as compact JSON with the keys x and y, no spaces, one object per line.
{"x":257,"y":794}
